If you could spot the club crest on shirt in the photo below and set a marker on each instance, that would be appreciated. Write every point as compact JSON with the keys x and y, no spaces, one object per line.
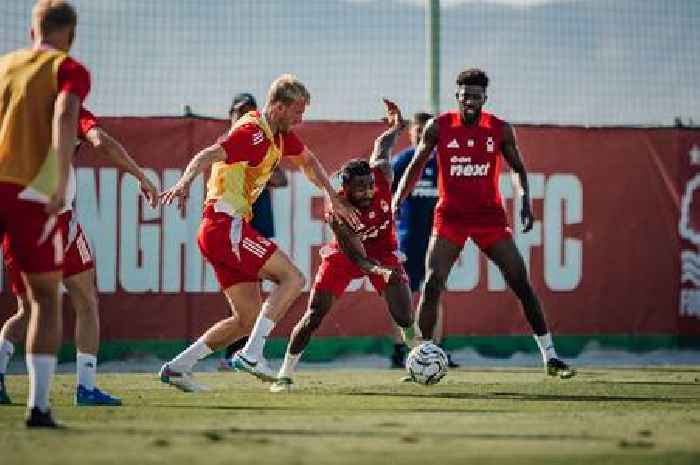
{"x":470,"y":142}
{"x":490,"y":144}
{"x":384,"y":205}
{"x":258,"y":137}
{"x":371,"y":215}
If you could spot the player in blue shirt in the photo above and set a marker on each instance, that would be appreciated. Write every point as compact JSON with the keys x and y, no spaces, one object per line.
{"x":414,"y":226}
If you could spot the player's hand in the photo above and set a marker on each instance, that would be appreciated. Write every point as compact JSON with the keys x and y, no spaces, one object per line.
{"x":179,"y":191}
{"x":526,"y":216}
{"x":150,"y":192}
{"x":393,"y":114}
{"x":342,"y":208}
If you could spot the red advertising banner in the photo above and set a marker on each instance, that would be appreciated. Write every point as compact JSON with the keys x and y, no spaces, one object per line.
{"x":616,"y":236}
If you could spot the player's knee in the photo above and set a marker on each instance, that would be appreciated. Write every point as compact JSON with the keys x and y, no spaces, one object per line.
{"x":294,"y":279}
{"x":298,"y":280}
{"x":435,"y":282}
{"x":245,"y":321}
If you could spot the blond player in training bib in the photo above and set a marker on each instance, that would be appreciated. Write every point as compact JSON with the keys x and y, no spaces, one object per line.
{"x":241,"y":165}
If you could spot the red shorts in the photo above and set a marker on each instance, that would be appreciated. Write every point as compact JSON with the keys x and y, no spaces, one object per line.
{"x":77,"y":256}
{"x":337,"y":270}
{"x":233,"y":247}
{"x":34,"y":239}
{"x":483,"y":236}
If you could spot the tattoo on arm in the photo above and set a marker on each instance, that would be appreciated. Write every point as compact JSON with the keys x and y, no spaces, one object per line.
{"x":201,"y":161}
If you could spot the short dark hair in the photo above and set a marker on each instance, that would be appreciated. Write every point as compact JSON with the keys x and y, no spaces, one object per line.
{"x":473,"y":77}
{"x":421,"y":118}
{"x":241,"y":100}
{"x":352,"y":168}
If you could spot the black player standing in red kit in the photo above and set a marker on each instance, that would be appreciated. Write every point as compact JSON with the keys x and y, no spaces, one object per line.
{"x":470,"y":143}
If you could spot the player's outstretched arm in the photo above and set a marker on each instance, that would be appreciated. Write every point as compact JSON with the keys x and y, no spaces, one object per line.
{"x":199,"y":163}
{"x":512,"y":155}
{"x":351,"y":245}
{"x":65,"y":120}
{"x":415,"y":168}
{"x":385,"y":142}
{"x":117,"y":154}
{"x":316,"y":173}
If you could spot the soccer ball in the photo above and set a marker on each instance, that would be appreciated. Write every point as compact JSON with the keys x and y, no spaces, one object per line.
{"x":426,"y":363}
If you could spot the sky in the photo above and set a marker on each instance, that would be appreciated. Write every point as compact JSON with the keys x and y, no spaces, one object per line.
{"x":583,"y":62}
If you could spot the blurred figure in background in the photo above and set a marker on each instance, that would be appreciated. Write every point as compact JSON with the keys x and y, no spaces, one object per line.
{"x":414,"y":226}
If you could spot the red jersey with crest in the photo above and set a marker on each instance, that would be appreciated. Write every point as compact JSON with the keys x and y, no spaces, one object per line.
{"x":469,"y":164}
{"x":377,"y":231}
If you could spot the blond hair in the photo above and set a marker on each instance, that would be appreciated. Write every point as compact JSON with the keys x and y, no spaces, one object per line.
{"x":51,"y":15}
{"x":287,"y":89}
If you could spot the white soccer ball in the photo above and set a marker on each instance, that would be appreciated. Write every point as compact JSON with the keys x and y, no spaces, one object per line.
{"x":426,"y":363}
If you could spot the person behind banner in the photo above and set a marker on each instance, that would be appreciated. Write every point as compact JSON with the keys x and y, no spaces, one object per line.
{"x":78,"y":274}
{"x":414,"y":223}
{"x":370,"y":250}
{"x":470,"y":143}
{"x":241,"y":165}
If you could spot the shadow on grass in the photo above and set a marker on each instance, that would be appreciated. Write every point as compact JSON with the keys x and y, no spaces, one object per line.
{"x":528,"y":397}
{"x":651,"y":383}
{"x":407,"y":436}
{"x":302,"y":409}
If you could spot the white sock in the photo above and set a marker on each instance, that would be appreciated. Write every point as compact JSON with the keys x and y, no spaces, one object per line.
{"x":546,"y":346}
{"x":7,"y":348}
{"x":289,"y":365}
{"x":86,"y":368}
{"x":41,"y":368}
{"x":256,"y":341}
{"x":188,"y":357}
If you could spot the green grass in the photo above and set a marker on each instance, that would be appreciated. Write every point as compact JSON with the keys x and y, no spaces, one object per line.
{"x":500,"y":416}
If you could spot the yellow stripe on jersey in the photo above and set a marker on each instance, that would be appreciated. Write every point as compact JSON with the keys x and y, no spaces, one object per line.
{"x":28,"y":90}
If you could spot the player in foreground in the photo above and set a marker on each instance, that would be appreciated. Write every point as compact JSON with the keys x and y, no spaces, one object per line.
{"x":262,"y":208}
{"x":242,"y":164}
{"x":78,"y":275}
{"x":42,"y":89}
{"x":368,"y":250}
{"x":470,"y":143}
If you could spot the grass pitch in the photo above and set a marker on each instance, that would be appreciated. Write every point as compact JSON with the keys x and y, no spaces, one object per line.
{"x":500,"y":416}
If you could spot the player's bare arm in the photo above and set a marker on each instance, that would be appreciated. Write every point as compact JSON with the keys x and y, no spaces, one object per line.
{"x":65,"y":120}
{"x":415,"y":168}
{"x":351,"y":245}
{"x":316,"y":174}
{"x":199,"y":163}
{"x":117,"y":154}
{"x":386,"y":141}
{"x":512,"y":155}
